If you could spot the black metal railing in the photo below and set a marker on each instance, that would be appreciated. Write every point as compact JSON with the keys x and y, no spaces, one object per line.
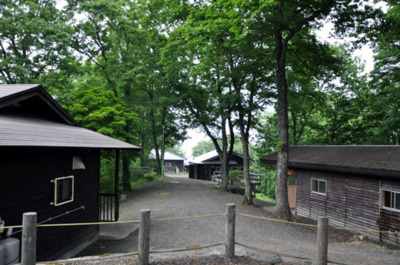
{"x":109,"y":208}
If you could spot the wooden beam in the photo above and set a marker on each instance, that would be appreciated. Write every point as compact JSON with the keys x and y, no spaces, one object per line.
{"x":116,"y":185}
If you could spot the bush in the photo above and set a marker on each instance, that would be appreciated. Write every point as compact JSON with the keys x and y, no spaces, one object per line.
{"x":107,"y":184}
{"x":150,"y":177}
{"x":143,"y":179}
{"x":138,"y":174}
{"x":236,"y":174}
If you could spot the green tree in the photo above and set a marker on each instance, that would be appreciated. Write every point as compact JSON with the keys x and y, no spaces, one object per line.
{"x":196,"y":68}
{"x":122,"y":41}
{"x":386,"y":76}
{"x":284,"y":22}
{"x":31,"y":40}
{"x":203,"y":147}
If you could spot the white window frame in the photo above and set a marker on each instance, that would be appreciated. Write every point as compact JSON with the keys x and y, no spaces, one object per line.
{"x":56,"y":181}
{"x":168,"y":164}
{"x":392,"y":196}
{"x":318,"y":181}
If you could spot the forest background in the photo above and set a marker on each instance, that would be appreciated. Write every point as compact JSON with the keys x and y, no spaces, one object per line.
{"x":133,"y":69}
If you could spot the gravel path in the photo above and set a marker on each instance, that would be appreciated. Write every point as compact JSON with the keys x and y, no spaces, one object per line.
{"x":179,"y":197}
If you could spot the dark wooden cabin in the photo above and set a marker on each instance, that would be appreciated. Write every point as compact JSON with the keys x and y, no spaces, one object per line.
{"x":355,"y":186}
{"x":50,"y":165}
{"x":204,"y":166}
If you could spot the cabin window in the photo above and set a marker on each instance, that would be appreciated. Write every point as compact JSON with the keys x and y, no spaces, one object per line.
{"x":318,"y":186}
{"x":391,"y":200}
{"x":63,"y":190}
{"x":168,"y":164}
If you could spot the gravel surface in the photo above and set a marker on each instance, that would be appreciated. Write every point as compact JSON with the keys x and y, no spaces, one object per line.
{"x":203,"y":260}
{"x":179,"y":197}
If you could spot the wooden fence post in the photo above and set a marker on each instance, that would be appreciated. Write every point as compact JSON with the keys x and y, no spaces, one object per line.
{"x":230,"y":231}
{"x":28,"y":246}
{"x":322,"y":241}
{"x":144,"y":237}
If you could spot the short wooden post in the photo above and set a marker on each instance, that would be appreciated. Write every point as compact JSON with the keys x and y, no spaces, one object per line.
{"x":230,"y":231}
{"x":28,"y":246}
{"x":144,"y":237}
{"x":322,"y":241}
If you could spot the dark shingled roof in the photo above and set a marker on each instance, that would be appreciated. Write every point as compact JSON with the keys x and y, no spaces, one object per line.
{"x":49,"y":125}
{"x":371,"y":160}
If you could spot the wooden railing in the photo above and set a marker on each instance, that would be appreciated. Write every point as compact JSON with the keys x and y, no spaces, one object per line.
{"x":109,"y":208}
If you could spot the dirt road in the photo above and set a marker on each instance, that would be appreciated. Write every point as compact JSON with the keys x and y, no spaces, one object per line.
{"x":180,"y":197}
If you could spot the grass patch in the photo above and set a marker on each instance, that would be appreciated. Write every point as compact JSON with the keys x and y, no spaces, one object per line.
{"x":144,"y":178}
{"x":263,"y":197}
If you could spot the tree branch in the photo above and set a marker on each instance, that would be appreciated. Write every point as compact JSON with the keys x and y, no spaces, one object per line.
{"x":305,"y":21}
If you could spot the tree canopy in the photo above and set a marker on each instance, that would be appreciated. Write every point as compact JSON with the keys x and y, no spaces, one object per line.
{"x":137,"y":69}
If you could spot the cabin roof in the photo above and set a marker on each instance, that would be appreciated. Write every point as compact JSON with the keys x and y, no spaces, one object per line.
{"x":371,"y":160}
{"x":30,"y":117}
{"x":211,"y":157}
{"x":167,"y":156}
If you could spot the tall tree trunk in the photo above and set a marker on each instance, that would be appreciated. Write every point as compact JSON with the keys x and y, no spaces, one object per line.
{"x":155,"y":143}
{"x":282,"y":210}
{"x":248,"y":198}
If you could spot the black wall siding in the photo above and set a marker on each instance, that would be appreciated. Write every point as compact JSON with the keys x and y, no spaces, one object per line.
{"x":27,"y":174}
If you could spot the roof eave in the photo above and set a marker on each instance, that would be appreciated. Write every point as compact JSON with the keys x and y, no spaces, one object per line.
{"x":340,"y":169}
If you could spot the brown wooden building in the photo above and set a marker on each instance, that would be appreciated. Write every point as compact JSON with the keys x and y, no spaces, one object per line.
{"x":50,"y":165}
{"x":355,"y":186}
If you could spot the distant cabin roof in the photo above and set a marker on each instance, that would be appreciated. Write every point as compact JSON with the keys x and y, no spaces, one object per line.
{"x":211,"y":157}
{"x":30,"y":117}
{"x":371,"y":160}
{"x":167,"y":156}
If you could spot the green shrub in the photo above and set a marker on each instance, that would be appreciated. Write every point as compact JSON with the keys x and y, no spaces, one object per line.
{"x":137,"y":174}
{"x":107,"y":184}
{"x":150,"y":177}
{"x":236,"y":174}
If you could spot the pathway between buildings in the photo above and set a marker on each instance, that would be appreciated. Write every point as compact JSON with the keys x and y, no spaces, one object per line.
{"x":180,"y":197}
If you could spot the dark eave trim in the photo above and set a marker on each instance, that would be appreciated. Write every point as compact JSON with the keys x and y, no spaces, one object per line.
{"x":341,"y":169}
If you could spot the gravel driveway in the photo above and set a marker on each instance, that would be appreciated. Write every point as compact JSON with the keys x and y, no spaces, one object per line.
{"x":180,"y":197}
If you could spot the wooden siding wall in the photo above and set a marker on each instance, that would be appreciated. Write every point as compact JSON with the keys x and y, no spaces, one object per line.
{"x":390,"y":220}
{"x":174,"y":164}
{"x":351,"y":201}
{"x":26,"y":187}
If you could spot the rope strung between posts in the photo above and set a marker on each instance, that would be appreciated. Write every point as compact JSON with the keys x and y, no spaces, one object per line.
{"x":275,"y":220}
{"x":315,"y":226}
{"x":204,"y":216}
{"x":119,"y":222}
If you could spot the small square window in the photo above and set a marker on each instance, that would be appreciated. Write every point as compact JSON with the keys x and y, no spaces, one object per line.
{"x":63,"y":190}
{"x":318,"y":186}
{"x":391,"y":200}
{"x":167,"y":164}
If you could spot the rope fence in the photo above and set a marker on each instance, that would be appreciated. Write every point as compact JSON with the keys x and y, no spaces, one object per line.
{"x":206,"y":216}
{"x":30,"y":225}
